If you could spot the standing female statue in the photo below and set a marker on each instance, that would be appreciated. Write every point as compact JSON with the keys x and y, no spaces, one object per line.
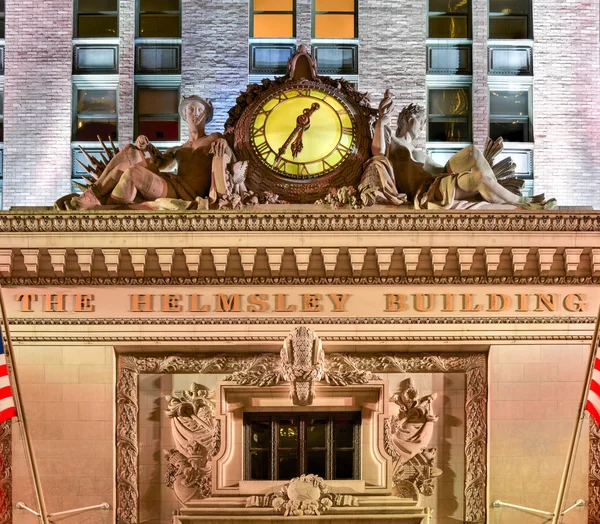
{"x":141,"y":173}
{"x":403,"y":172}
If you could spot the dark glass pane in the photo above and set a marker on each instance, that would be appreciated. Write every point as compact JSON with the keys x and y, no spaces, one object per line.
{"x":316,"y":463}
{"x":96,"y":101}
{"x":88,"y":130}
{"x":513,"y":103}
{"x":260,"y":434}
{"x":344,"y":464}
{"x":448,"y":27}
{"x":157,"y":59}
{"x":344,"y":434}
{"x":288,"y":465}
{"x":510,"y":131}
{"x":288,"y":434}
{"x":259,"y":465}
{"x":159,"y":26}
{"x":2,"y":30}
{"x":1,"y":131}
{"x":100,"y":26}
{"x":316,"y":433}
{"x":3,"y":6}
{"x":509,"y":7}
{"x":508,"y":27}
{"x":450,"y":102}
{"x":159,"y":5}
{"x":158,"y":101}
{"x":449,"y":131}
{"x":449,"y":6}
{"x":96,"y":6}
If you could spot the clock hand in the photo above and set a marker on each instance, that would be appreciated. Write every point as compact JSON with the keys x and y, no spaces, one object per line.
{"x":302,"y":124}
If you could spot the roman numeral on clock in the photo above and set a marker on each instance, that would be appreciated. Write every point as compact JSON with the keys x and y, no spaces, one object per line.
{"x":263,"y":149}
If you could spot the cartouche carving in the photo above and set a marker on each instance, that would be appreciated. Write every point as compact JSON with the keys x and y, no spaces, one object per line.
{"x":196,"y":434}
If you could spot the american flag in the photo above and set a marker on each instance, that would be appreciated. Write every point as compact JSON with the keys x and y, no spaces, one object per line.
{"x":7,"y":403}
{"x":593,"y":401}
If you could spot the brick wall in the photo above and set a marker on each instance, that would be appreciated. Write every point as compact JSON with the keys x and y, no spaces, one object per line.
{"x":126,"y":68}
{"x":479,"y":89}
{"x":37,"y":103}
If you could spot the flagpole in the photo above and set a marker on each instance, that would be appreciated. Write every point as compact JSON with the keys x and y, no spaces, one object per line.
{"x":12,"y":369}
{"x":562,"y":490}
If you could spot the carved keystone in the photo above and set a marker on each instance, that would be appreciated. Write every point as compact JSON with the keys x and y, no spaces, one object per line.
{"x":85,"y":260}
{"x":275,"y":256}
{"x":411,"y":258}
{"x":192,"y":260}
{"x":6,"y":261}
{"x":220,"y":256}
{"x":384,"y":259}
{"x":357,"y":259}
{"x":330,"y":256}
{"x":572,"y":257}
{"x":112,"y":259}
{"x":248,"y":257}
{"x":302,"y":255}
{"x":492,"y":259}
{"x":519,"y":259}
{"x":138,"y":261}
{"x":465,"y":259}
{"x":31,"y":259}
{"x":165,"y":260}
{"x":545,"y":259}
{"x":58,"y":260}
{"x":595,"y":261}
{"x":439,"y":256}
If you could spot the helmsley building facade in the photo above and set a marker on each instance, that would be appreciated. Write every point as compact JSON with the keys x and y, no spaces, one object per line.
{"x":197,"y":340}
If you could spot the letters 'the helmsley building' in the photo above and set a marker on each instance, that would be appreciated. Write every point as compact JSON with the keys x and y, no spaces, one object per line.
{"x":305,"y":260}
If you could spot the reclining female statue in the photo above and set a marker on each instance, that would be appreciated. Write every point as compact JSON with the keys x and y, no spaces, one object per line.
{"x":403,"y":172}
{"x":131,"y":177}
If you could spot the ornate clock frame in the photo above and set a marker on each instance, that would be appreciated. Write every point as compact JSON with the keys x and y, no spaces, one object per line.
{"x":301,"y":74}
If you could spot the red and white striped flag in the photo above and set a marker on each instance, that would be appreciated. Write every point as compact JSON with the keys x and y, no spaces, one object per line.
{"x":593,"y":401}
{"x":7,"y":403}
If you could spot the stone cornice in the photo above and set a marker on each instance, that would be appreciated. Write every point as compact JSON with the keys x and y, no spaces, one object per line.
{"x":297,"y":218}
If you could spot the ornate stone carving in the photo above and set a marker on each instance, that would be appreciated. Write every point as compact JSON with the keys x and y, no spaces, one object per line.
{"x":196,"y":434}
{"x":302,"y":363}
{"x":406,"y":438}
{"x":6,"y":472}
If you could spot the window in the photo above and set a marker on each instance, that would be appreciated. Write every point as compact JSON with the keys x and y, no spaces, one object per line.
{"x":157,"y":113}
{"x":272,"y":18}
{"x":509,"y":116}
{"x":95,"y":114}
{"x":509,"y":19}
{"x":159,"y":19}
{"x":449,"y":19}
{"x":283,"y":446}
{"x":334,"y":19}
{"x":2,"y":17}
{"x":336,"y":59}
{"x":449,"y":59}
{"x":163,"y":59}
{"x":96,"y":19}
{"x":449,"y":114}
{"x":510,"y":60}
{"x":96,"y":59}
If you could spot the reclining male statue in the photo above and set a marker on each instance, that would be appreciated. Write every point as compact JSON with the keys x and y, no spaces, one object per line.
{"x":402,"y":172}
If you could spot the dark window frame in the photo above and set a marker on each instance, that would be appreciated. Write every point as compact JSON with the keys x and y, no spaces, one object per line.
{"x":331,"y":449}
{"x":136,"y":113}
{"x":254,"y":12}
{"x":314,"y":13}
{"x":94,"y":13}
{"x":138,"y":14}
{"x":498,"y":118}
{"x":443,"y":14}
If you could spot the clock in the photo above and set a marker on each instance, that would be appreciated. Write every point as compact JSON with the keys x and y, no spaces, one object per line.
{"x":301,"y":134}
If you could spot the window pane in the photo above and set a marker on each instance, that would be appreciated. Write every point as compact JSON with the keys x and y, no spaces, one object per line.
{"x":260,"y":434}
{"x":508,"y":27}
{"x":509,"y":103}
{"x":448,"y":27}
{"x":344,"y":464}
{"x":96,"y":101}
{"x":510,"y":60}
{"x":334,"y":26}
{"x":157,"y":101}
{"x":259,"y":464}
{"x":288,"y":434}
{"x":271,"y":58}
{"x":159,"y":25}
{"x":452,"y":102}
{"x":159,"y":5}
{"x":336,"y":59}
{"x":316,"y":462}
{"x":515,"y":131}
{"x":96,"y":58}
{"x":96,"y":6}
{"x":97,"y":26}
{"x":156,"y":59}
{"x":288,"y":464}
{"x":334,"y":5}
{"x":449,"y":131}
{"x":344,"y":434}
{"x":273,"y":26}
{"x":88,"y":130}
{"x":316,"y":433}
{"x":273,"y":5}
{"x":509,"y":7}
{"x":448,"y":6}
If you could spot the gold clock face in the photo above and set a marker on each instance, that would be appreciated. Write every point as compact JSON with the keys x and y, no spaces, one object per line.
{"x":303,"y":133}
